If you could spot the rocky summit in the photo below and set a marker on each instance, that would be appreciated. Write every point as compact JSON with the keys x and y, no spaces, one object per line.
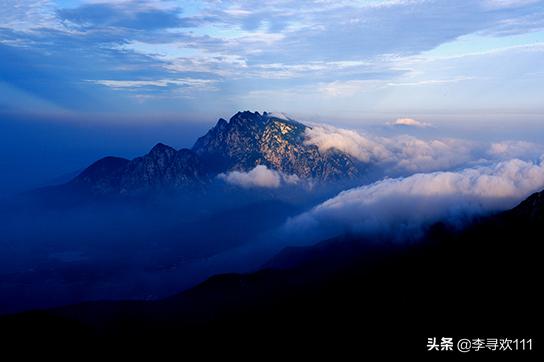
{"x":251,"y":139}
{"x":247,"y":140}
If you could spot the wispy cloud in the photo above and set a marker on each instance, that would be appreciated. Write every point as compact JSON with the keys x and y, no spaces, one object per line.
{"x":336,"y":49}
{"x":429,"y":82}
{"x":189,"y":82}
{"x":25,"y":16}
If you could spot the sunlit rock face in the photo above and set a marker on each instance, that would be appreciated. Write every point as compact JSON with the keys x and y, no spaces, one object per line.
{"x":251,"y":139}
{"x":248,"y":139}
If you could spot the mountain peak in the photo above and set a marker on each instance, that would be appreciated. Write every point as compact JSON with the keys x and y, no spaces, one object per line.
{"x":161,"y":148}
{"x":221,"y":123}
{"x":245,"y":117}
{"x":273,"y":140}
{"x":248,"y":139}
{"x":162,"y":169}
{"x":105,"y":167}
{"x":247,"y":114}
{"x":278,"y":115}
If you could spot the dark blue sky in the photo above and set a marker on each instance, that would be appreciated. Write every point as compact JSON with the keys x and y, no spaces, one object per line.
{"x":35,"y":151}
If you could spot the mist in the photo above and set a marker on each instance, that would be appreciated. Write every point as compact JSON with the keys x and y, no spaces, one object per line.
{"x":401,"y":208}
{"x":59,"y":247}
{"x":71,"y":248}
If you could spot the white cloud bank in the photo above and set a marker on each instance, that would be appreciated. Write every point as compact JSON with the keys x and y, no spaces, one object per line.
{"x":260,"y":176}
{"x":403,"y":155}
{"x":401,"y":206}
{"x":360,"y":146}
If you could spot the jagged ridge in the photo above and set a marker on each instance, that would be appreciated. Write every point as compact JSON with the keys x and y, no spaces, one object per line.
{"x":248,"y":139}
{"x":251,"y":139}
{"x":163,"y":168}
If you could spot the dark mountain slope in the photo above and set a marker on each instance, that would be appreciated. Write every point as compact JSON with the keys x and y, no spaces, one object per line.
{"x":163,"y":168}
{"x":101,"y":170}
{"x":344,"y":295}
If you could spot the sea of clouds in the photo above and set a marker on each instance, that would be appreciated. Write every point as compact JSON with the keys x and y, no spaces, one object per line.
{"x":427,"y":180}
{"x":395,"y":156}
{"x":402,"y":207}
{"x":405,"y":154}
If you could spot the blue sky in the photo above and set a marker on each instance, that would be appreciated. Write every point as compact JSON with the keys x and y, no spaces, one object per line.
{"x":339,"y":59}
{"x":84,"y":79}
